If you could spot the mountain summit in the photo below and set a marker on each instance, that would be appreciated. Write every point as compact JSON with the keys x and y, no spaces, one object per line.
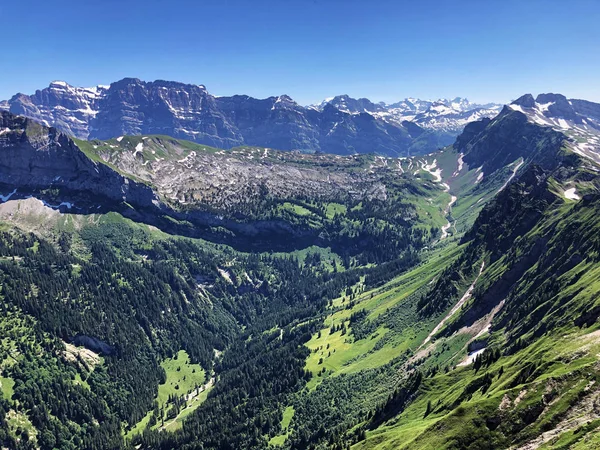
{"x":579,"y":120}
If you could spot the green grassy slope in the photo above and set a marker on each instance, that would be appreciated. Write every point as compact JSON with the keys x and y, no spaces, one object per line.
{"x":537,"y":379}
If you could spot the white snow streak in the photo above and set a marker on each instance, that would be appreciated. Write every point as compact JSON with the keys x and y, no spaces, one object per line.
{"x":471,"y":357}
{"x":571,"y":194}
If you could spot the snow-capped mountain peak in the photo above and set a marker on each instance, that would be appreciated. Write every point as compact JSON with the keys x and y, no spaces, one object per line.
{"x":443,"y":115}
{"x":579,"y":120}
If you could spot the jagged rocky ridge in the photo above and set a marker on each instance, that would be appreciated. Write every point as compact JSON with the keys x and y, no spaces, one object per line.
{"x":133,"y":107}
{"x":160,"y":173}
{"x":340,"y":125}
{"x":578,"y":120}
{"x":36,"y":157}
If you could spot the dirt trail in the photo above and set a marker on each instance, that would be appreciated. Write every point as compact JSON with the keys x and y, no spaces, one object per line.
{"x":188,"y":398}
{"x":512,"y":176}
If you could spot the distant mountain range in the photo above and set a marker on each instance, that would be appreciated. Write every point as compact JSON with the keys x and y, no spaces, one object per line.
{"x":341,"y":125}
{"x":441,"y":115}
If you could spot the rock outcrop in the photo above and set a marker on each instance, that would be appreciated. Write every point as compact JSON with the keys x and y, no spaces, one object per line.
{"x":35,"y":157}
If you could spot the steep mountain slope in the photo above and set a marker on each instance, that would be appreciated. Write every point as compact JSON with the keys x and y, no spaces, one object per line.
{"x":531,"y":371}
{"x":527,"y":321}
{"x":134,"y":107}
{"x":35,"y":157}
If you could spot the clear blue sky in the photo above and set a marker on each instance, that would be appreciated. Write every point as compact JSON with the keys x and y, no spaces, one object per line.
{"x":485,"y":50}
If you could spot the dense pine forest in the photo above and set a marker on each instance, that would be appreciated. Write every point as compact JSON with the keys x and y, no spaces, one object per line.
{"x":136,"y":300}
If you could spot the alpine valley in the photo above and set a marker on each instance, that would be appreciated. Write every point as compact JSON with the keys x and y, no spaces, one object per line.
{"x":185,"y":271}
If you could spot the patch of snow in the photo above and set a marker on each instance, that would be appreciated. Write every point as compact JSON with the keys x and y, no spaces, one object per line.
{"x":68,"y":205}
{"x":544,"y":106}
{"x":541,"y":120}
{"x":479,"y":178}
{"x":87,"y":110}
{"x":460,"y":165}
{"x":571,"y":194}
{"x":225,"y":275}
{"x":446,"y":227}
{"x":471,"y":357}
{"x":138,"y":149}
{"x":452,"y":201}
{"x":516,"y":108}
{"x":437,"y":174}
{"x":191,"y":155}
{"x":59,"y":83}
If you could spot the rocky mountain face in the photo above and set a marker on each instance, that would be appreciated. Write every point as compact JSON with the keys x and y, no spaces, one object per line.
{"x":533,"y":130}
{"x":234,"y":179}
{"x":502,"y":310}
{"x":351,"y":105}
{"x":518,"y":139}
{"x":161,"y":172}
{"x":578,"y":120}
{"x":65,"y":107}
{"x":34,"y":157}
{"x":134,"y":107}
